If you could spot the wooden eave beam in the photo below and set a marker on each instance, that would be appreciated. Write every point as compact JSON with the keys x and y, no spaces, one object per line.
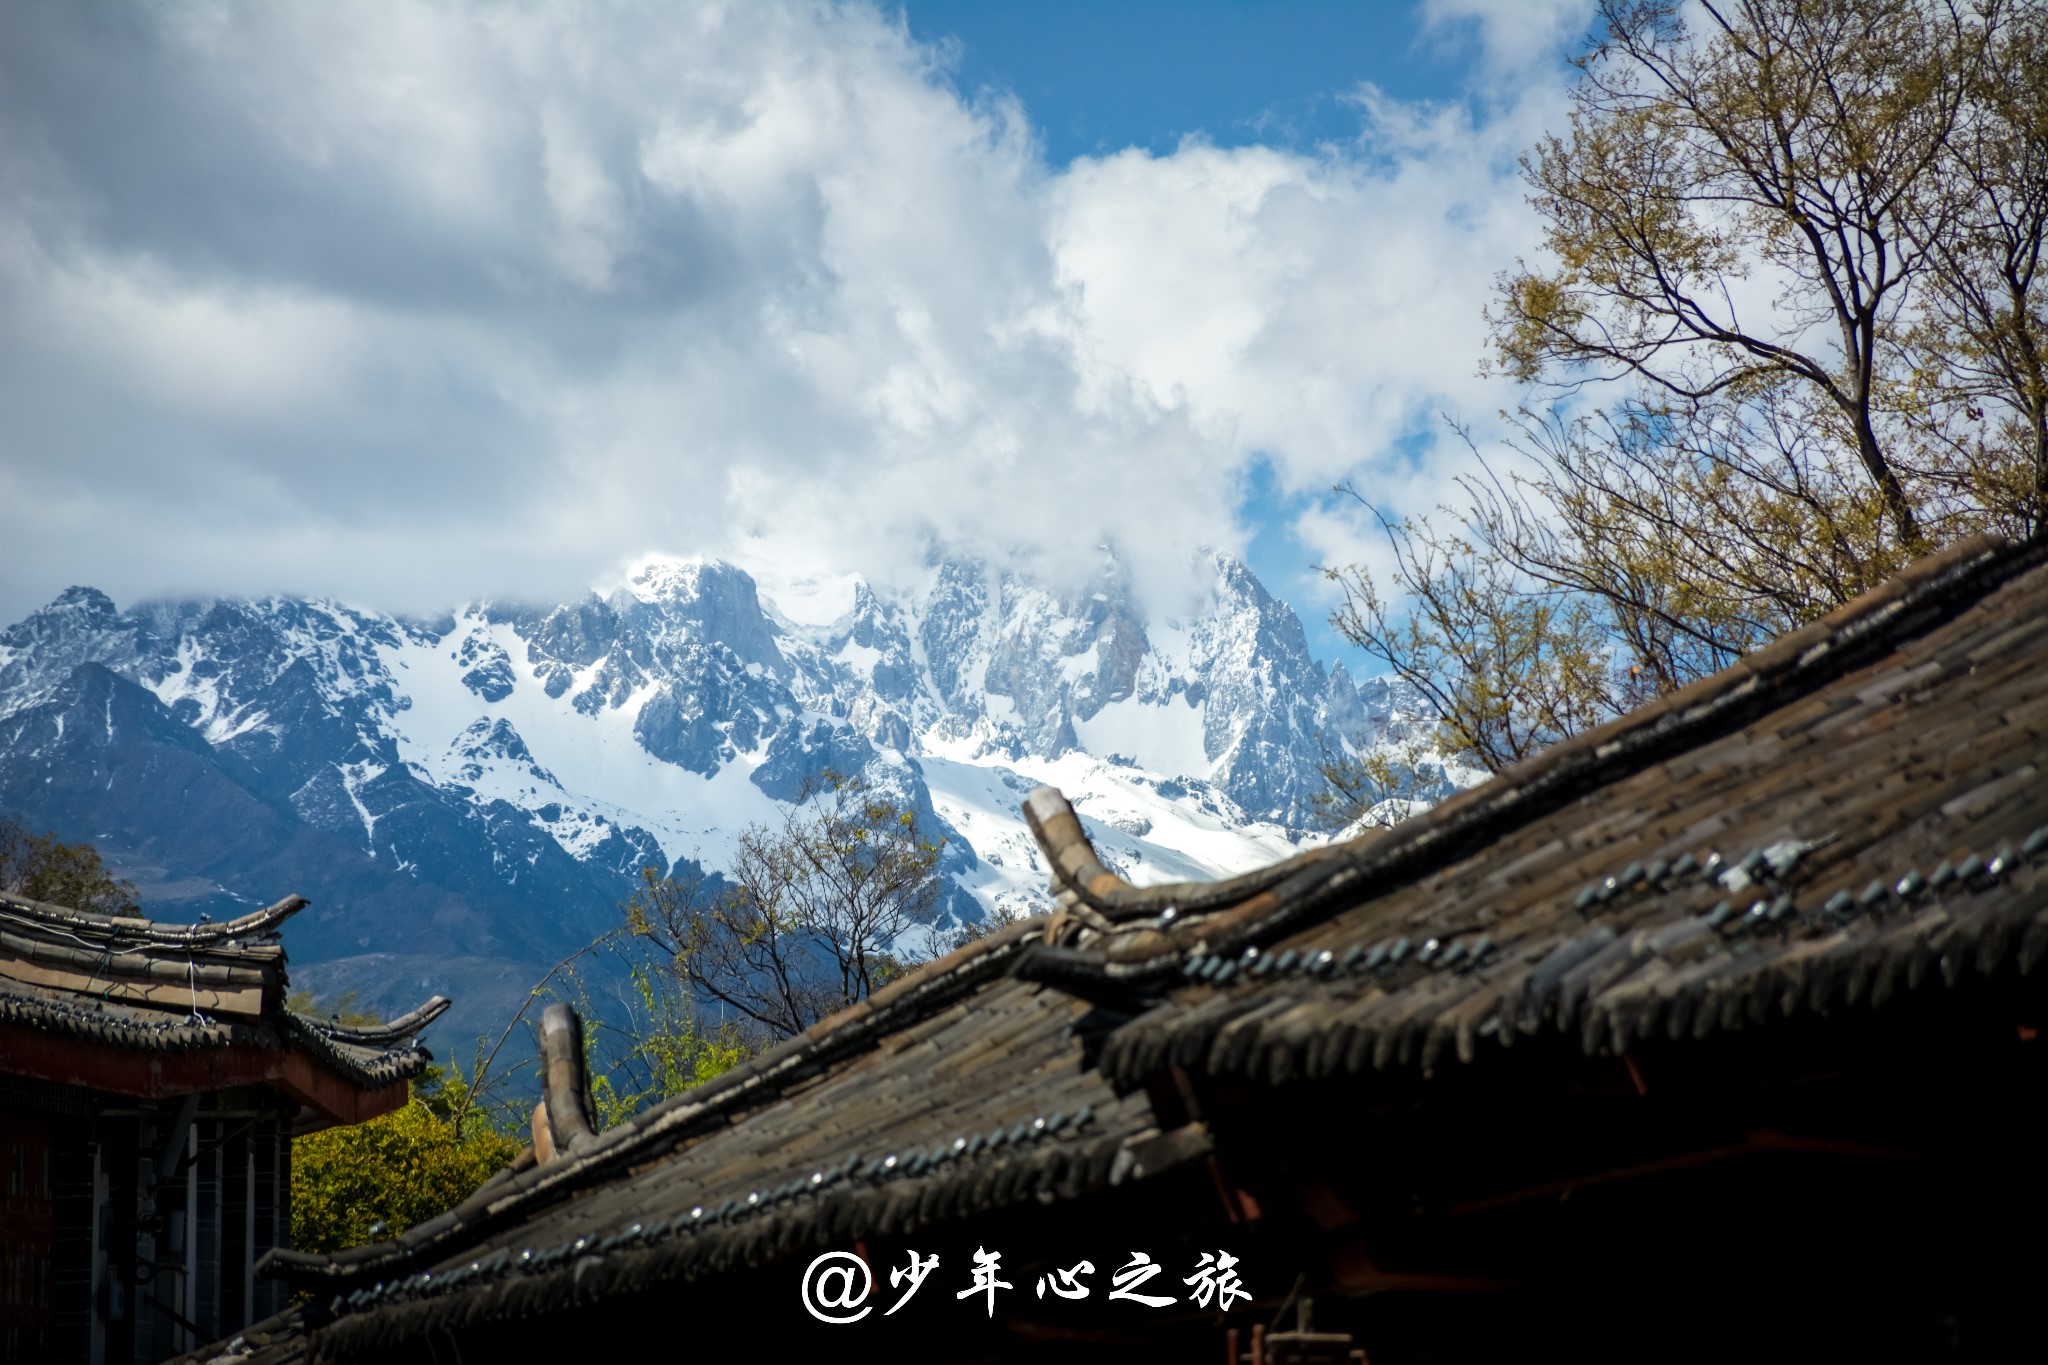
{"x":147,"y":1074}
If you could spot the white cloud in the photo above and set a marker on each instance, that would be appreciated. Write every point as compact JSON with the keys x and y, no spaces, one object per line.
{"x":417,"y":301}
{"x":1515,"y":36}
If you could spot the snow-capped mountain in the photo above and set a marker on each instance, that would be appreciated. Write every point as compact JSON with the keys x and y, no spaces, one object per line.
{"x":467,"y":800}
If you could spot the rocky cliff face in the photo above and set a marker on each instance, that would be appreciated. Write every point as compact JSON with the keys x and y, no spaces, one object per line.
{"x":467,"y":799}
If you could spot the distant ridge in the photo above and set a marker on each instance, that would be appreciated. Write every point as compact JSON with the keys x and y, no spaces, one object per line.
{"x":465,"y":800}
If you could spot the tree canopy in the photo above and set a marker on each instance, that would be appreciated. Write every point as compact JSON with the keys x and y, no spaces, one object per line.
{"x":358,"y":1182}
{"x":1786,"y":334}
{"x":41,"y":868}
{"x":812,"y":915}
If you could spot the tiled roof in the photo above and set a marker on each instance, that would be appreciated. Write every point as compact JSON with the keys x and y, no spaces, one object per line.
{"x":1849,"y":816}
{"x":134,"y":985}
{"x":1856,"y":812}
{"x":142,"y":1029}
{"x":979,"y":1094}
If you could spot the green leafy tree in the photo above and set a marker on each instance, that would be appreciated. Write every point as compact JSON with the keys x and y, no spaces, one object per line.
{"x":812,"y":915}
{"x":656,"y":1047}
{"x":643,"y":1043}
{"x":359,"y":1182}
{"x":1505,"y":670}
{"x":1746,"y":204}
{"x":41,"y":868}
{"x":1979,"y":349}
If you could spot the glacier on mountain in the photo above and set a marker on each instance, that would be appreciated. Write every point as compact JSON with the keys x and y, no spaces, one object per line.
{"x":482,"y":789}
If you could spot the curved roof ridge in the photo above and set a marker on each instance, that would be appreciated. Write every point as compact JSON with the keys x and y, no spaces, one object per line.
{"x":373,"y":1035}
{"x":364,"y":1065}
{"x":1077,"y":867}
{"x":903,"y":1001}
{"x":146,"y":931}
{"x":1293,"y":891}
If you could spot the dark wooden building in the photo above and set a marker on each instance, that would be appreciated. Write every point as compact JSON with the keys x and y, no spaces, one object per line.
{"x":1710,"y":1035}
{"x":151,"y":1080}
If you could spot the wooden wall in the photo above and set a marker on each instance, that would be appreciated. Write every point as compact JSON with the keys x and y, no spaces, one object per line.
{"x":129,"y":1230}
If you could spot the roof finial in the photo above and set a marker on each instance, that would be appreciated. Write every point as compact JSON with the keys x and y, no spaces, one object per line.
{"x":565,"y":1088}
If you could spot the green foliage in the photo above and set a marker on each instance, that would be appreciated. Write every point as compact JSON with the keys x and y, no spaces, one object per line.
{"x":37,"y":866}
{"x":805,"y":921}
{"x":645,"y":1045}
{"x":656,"y":1048}
{"x":1978,"y":351}
{"x":360,"y":1182}
{"x":1506,"y":671}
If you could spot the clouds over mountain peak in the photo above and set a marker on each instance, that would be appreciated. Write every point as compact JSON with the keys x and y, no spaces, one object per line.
{"x":396,"y":301}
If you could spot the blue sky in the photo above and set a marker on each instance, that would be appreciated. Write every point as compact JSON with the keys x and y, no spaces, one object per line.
{"x":1100,"y":77}
{"x":456,"y":299}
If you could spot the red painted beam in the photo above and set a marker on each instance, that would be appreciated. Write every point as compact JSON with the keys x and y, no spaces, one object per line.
{"x":158,"y":1075}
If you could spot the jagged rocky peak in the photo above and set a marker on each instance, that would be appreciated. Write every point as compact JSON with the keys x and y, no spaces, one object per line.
{"x":704,"y":602}
{"x":1342,"y":703}
{"x":872,"y":643}
{"x":74,"y":609}
{"x":703,"y":712}
{"x":1279,"y":628}
{"x":490,"y":674}
{"x":671,"y":616}
{"x":1225,"y":688}
{"x":1060,"y":657}
{"x":80,"y":626}
{"x":487,"y":739}
{"x":573,"y":635}
{"x":516,"y":751}
{"x":951,"y":630}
